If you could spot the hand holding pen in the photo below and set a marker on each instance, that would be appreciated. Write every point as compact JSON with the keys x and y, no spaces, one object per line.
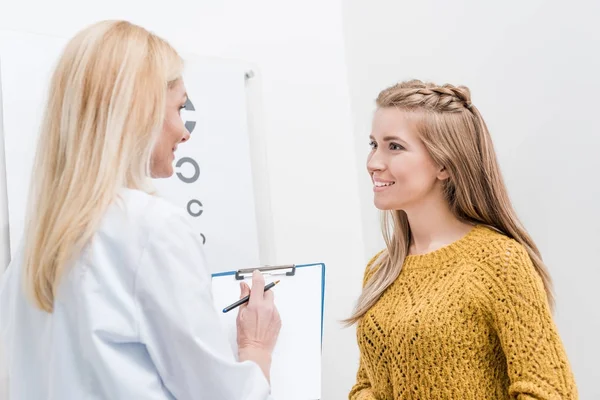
{"x":258,"y":323}
{"x":245,"y":299}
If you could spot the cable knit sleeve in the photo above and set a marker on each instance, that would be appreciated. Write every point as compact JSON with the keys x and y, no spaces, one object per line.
{"x":537,"y":364}
{"x":362,"y":388}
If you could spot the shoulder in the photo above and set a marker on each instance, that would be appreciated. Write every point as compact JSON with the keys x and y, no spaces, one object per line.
{"x":135,"y":217}
{"x":168,"y":243}
{"x":492,"y":247}
{"x":505,"y":263}
{"x":146,"y":211}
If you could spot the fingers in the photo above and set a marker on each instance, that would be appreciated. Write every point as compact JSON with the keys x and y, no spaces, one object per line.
{"x":244,"y":290}
{"x":269,"y":296}
{"x":269,"y":302}
{"x":258,"y":289}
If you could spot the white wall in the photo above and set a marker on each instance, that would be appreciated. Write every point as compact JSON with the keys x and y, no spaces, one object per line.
{"x":4,"y":233}
{"x":4,"y":247}
{"x":299,"y":53}
{"x":534,"y":71}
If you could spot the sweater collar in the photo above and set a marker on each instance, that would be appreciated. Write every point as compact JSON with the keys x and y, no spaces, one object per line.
{"x":449,"y":254}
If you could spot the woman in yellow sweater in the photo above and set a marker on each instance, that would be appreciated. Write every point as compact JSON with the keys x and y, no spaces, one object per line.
{"x":458,"y":306}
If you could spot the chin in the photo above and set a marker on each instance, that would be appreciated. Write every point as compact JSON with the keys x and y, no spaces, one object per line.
{"x":162,"y":174}
{"x":384,"y":206}
{"x":388,"y":204}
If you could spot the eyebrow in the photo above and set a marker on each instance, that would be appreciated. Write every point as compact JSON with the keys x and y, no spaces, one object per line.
{"x":389,"y":138}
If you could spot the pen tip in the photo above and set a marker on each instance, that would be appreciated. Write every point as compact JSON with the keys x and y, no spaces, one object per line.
{"x":276,"y":282}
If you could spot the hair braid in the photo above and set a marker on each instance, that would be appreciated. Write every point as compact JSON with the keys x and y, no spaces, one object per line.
{"x":416,"y":94}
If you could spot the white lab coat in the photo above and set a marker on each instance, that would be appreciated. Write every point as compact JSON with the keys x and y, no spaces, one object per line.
{"x":133,"y":319}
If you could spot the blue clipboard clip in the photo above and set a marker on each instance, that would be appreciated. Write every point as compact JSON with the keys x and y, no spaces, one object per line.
{"x":287,"y":270}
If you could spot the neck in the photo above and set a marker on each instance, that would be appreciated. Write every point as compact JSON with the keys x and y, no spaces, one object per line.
{"x":433,"y":225}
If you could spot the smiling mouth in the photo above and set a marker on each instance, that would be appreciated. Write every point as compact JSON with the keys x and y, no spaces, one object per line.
{"x":383,"y":184}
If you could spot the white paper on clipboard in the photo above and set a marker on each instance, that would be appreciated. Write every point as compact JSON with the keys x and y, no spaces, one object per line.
{"x":296,"y":363}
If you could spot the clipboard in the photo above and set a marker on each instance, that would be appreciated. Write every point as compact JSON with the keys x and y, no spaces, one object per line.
{"x":300,"y":300}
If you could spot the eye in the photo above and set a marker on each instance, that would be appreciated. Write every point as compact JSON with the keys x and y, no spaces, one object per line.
{"x":181,"y":107}
{"x":396,"y":146}
{"x":372,"y":144}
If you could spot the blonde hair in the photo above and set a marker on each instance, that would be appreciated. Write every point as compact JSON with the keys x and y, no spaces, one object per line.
{"x":457,"y":138}
{"x":105,"y":110}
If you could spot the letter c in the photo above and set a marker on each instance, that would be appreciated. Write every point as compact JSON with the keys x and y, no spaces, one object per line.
{"x":194,"y":177}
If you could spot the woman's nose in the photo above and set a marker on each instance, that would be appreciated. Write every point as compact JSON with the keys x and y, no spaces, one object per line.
{"x":374,"y":163}
{"x":186,"y":136}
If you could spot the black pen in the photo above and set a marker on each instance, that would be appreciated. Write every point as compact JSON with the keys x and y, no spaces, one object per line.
{"x":245,"y":299}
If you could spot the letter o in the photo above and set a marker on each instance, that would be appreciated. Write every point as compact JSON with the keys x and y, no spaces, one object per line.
{"x":194,"y":177}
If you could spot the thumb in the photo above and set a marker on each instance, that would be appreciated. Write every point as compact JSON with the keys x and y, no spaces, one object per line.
{"x":244,"y":289}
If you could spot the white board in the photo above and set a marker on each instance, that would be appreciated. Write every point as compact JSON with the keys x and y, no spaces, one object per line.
{"x":213,"y":179}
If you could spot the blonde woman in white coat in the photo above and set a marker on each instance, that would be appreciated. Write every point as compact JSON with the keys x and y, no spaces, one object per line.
{"x":109,"y":297}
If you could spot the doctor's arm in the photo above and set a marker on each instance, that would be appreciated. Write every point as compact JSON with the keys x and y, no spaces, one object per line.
{"x":180,"y":327}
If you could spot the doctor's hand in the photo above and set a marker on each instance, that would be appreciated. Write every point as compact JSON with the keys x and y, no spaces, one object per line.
{"x":258,"y":324}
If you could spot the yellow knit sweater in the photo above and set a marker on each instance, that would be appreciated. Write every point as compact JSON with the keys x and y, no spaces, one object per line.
{"x":468,"y":321}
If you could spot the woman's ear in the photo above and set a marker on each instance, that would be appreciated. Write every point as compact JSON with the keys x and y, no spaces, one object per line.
{"x":443,"y":174}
